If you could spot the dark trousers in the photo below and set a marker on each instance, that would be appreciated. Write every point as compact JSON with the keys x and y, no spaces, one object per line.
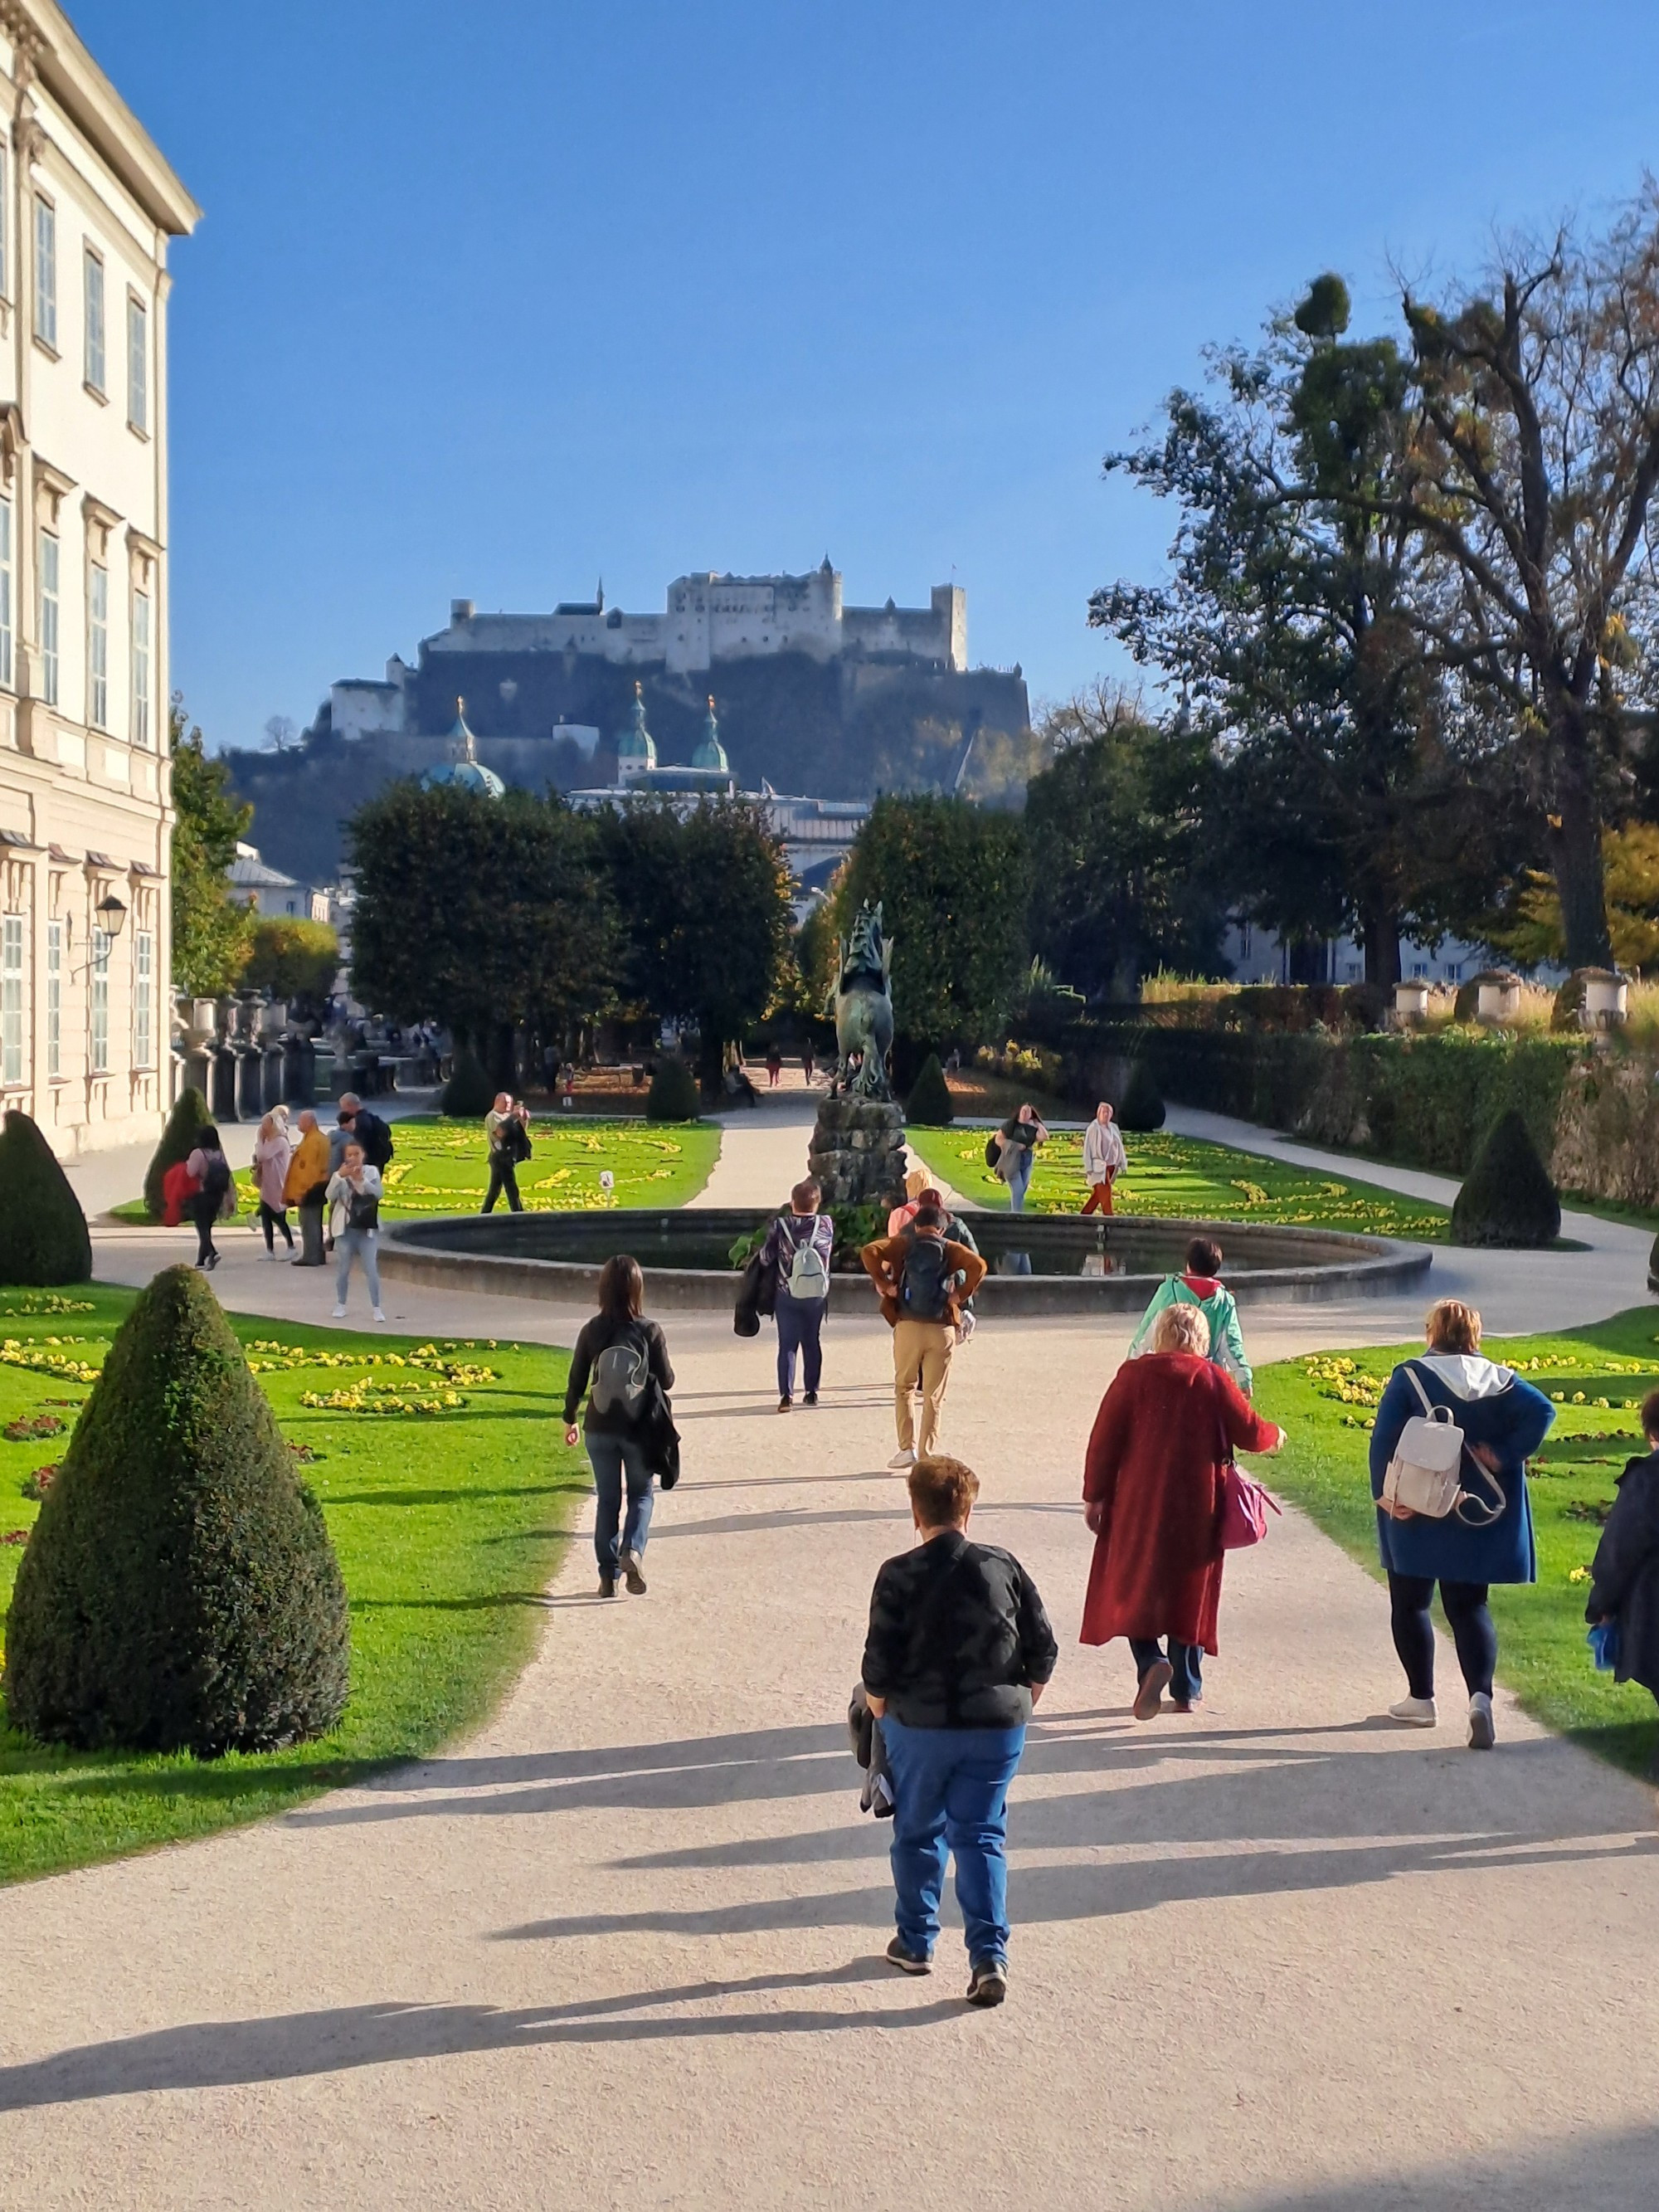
{"x":204,"y":1212}
{"x":273,"y":1218}
{"x":503,"y":1176}
{"x":1186,"y":1682}
{"x":1468,"y":1618}
{"x":311,"y":1231}
{"x":617,"y":1462}
{"x":799,"y":1323}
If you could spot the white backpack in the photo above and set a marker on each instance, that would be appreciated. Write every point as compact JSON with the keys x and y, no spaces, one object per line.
{"x":808,"y":1277}
{"x":1425,"y":1474}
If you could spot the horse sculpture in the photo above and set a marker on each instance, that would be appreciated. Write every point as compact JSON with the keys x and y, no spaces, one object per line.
{"x":861,"y":999}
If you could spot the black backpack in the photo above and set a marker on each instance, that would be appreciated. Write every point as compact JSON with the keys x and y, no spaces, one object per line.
{"x":515,"y":1142}
{"x":923,"y":1287}
{"x":993,"y":1148}
{"x":362,"y":1209}
{"x":216,"y":1176}
{"x":373,"y":1134}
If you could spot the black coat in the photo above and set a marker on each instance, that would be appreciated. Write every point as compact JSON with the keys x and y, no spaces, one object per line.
{"x":1625,"y":1576}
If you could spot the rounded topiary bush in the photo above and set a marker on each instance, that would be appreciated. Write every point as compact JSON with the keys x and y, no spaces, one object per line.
{"x":43,"y":1231}
{"x":469,"y":1094}
{"x":673,"y":1093}
{"x":929,"y":1105}
{"x":1142,"y":1107}
{"x":1507,"y":1197}
{"x":180,"y":1591}
{"x":189,"y":1116}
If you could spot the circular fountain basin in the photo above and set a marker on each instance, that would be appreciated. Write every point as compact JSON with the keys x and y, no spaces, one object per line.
{"x":1039,"y":1263}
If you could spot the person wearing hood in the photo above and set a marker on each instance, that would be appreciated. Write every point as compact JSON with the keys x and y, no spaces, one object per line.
{"x":1624,"y":1574}
{"x":1202,"y":1286}
{"x":1503,"y":1421}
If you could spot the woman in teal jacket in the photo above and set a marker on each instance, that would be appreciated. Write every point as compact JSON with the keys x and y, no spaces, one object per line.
{"x":1202,"y":1286}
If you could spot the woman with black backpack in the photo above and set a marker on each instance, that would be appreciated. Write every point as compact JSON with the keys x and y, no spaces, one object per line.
{"x":625,"y":1358}
{"x":210,"y":1171}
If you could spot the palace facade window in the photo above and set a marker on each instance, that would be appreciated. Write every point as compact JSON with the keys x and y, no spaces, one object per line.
{"x":94,"y":368}
{"x":141,"y":675}
{"x":45,"y":273}
{"x":54,"y":998}
{"x":137,"y":365}
{"x":11,"y":999}
{"x":49,"y":610}
{"x":144,"y":998}
{"x":98,"y":1061}
{"x":98,"y":647}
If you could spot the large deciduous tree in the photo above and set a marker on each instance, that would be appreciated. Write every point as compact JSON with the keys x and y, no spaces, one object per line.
{"x":1123,"y":872}
{"x":954,"y":884}
{"x":1539,"y":393}
{"x":212,"y":930}
{"x":705,"y":909}
{"x":1348,"y":780}
{"x":483,"y":913}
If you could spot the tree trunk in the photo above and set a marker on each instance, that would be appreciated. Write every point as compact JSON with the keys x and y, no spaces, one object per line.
{"x":1576,"y":843}
{"x":1379,"y":937}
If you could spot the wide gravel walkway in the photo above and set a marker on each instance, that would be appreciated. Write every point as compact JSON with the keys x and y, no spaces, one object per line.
{"x":622,"y":1948}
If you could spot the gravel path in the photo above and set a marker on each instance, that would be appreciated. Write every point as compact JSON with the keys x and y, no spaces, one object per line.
{"x":621,"y":1947}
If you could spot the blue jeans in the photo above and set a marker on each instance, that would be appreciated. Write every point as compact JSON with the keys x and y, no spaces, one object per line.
{"x":1187,"y":1660}
{"x":799,"y":1323}
{"x":1017,"y":1172}
{"x":362,"y":1243}
{"x":616,"y":1459}
{"x":951,"y":1791}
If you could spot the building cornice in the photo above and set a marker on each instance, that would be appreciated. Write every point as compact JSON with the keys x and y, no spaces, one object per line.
{"x":49,"y":49}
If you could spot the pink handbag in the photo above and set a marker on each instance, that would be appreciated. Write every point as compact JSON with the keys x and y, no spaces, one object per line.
{"x":1244,"y":1506}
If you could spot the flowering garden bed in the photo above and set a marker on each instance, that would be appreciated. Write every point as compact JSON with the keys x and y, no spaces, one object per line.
{"x":446,"y":1485}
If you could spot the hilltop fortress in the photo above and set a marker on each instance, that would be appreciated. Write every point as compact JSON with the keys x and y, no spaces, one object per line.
{"x":813,"y":696}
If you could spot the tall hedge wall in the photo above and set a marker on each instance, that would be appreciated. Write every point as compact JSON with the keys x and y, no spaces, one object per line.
{"x":1423,"y":1101}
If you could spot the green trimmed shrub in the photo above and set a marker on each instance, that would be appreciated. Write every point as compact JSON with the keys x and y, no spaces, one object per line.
{"x":179,"y":1590}
{"x":1142,"y":1108}
{"x":43,"y":1231}
{"x":189,"y":1116}
{"x":929,"y":1105}
{"x":1507,"y":1197}
{"x":469,"y":1094}
{"x":673,"y":1093}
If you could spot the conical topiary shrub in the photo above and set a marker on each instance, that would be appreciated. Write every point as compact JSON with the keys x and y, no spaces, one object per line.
{"x":1507,"y":1197}
{"x":1142,"y":1108}
{"x":43,"y":1231}
{"x":180,"y":1591}
{"x":929,"y":1106}
{"x":469,"y":1094}
{"x":188,"y":1117}
{"x":673,"y":1093}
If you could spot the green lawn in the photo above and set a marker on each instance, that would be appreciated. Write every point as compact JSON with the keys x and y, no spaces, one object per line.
{"x":448,"y":1524}
{"x":1598,"y":1376}
{"x":441,"y":1166}
{"x":1182,"y":1176}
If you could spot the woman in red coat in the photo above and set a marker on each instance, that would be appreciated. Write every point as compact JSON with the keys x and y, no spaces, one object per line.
{"x":1151,"y":1491}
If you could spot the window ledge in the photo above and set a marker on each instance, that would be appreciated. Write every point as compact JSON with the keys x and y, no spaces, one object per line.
{"x":94,"y":391}
{"x":139,"y":431}
{"x":47,"y":347}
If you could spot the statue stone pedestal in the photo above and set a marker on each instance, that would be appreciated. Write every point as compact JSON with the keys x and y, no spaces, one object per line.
{"x":857,"y":1152}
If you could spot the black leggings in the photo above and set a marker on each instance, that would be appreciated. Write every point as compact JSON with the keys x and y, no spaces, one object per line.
{"x":204,"y":1212}
{"x":1466,"y":1616}
{"x":275,"y":1217}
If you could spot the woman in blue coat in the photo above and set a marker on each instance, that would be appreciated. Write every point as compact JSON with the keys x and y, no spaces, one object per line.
{"x":1504,"y":1420}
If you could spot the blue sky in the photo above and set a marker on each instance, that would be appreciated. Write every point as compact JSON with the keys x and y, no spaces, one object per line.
{"x":492,"y":299}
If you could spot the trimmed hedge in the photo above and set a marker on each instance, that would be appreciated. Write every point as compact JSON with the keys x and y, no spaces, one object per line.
{"x":673,"y":1093}
{"x":469,"y":1094}
{"x":43,"y":1231}
{"x":1507,"y":1198}
{"x":1424,"y":1101}
{"x":180,"y":1591}
{"x":189,"y":1116}
{"x":929,"y":1105}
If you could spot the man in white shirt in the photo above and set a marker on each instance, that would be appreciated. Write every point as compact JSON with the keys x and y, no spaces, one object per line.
{"x":1103,"y":1156}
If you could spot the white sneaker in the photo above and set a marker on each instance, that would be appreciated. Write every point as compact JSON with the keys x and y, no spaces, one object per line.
{"x":379,"y":1315}
{"x":902,"y":1459}
{"x":339,"y":1313}
{"x":1414,"y":1712}
{"x":1482,"y":1734}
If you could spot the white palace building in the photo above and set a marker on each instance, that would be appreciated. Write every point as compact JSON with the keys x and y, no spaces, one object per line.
{"x":86,"y":207}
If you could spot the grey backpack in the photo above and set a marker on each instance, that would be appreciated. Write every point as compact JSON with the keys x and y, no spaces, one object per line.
{"x":621,"y":1374}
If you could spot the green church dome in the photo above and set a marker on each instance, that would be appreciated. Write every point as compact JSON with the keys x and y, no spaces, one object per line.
{"x":636,"y":741}
{"x":710,"y":752}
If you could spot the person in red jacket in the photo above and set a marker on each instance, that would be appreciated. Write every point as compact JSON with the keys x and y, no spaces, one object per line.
{"x":1152,"y":1495}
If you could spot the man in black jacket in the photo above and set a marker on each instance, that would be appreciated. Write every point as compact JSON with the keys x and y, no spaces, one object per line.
{"x":958,"y":1653}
